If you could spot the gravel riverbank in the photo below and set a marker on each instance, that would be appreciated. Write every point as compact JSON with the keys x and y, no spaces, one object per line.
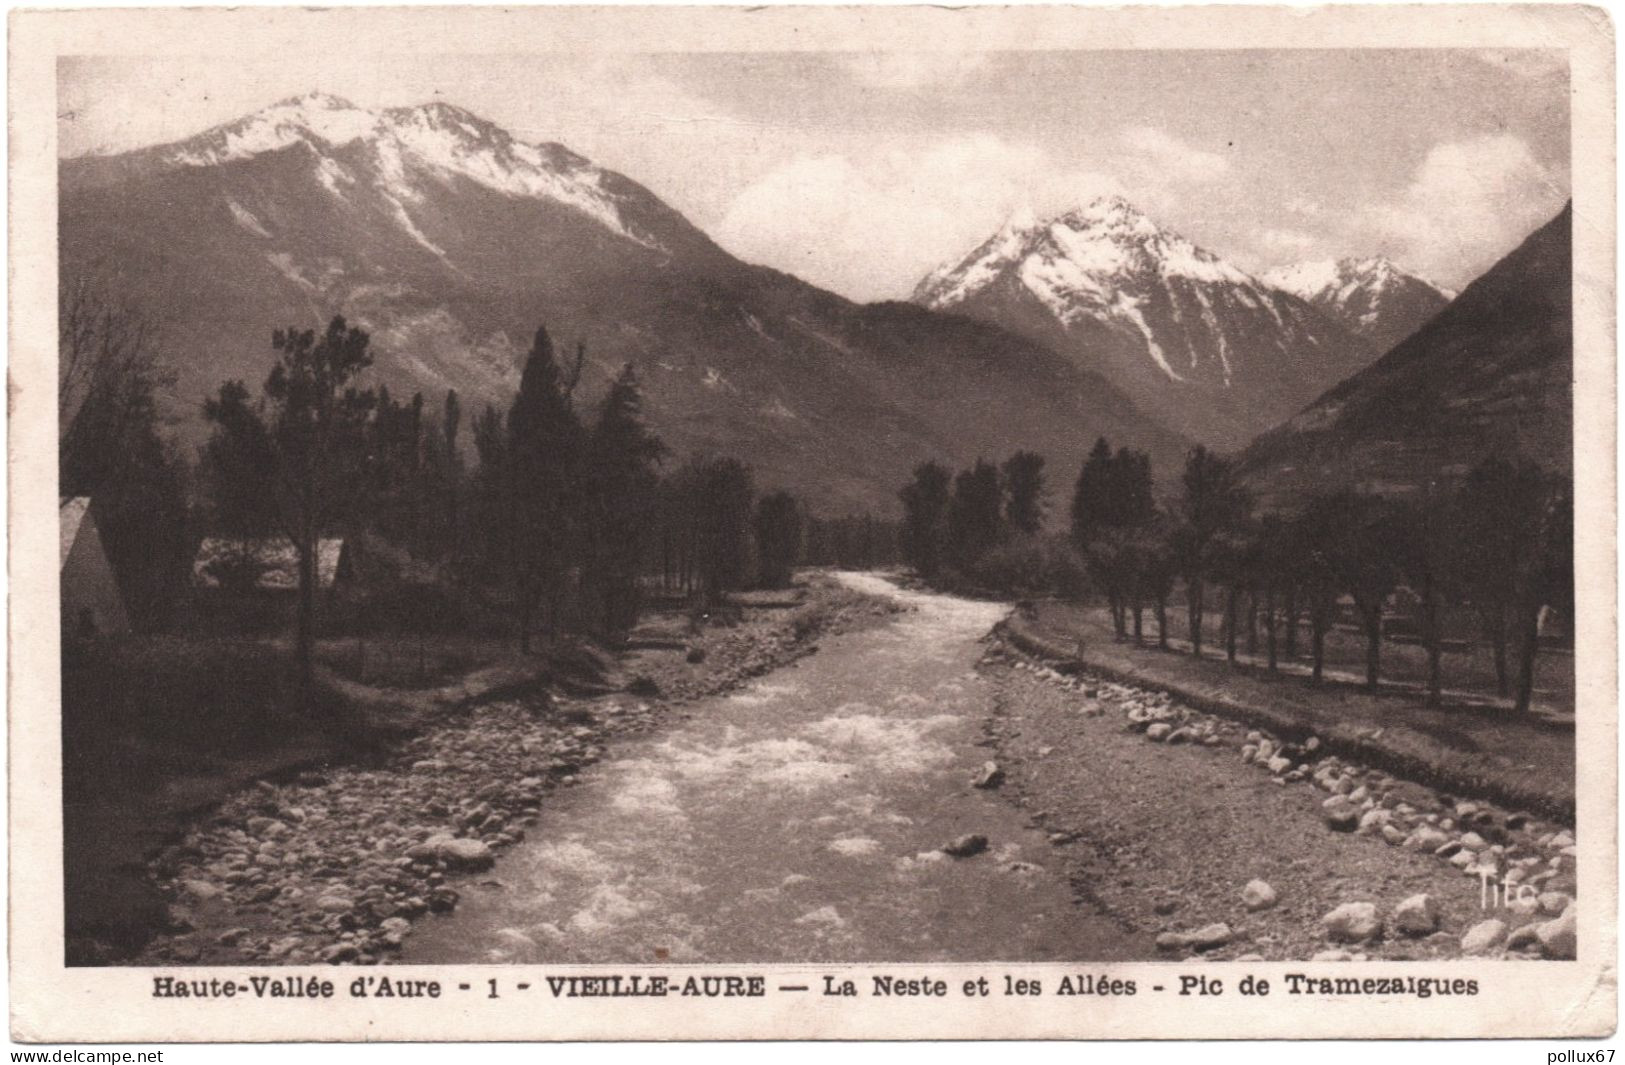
{"x":336,"y":865}
{"x":1230,"y":844}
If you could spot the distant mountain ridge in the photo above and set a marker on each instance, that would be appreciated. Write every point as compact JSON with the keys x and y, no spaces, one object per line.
{"x":1490,"y":375}
{"x":1191,"y":338}
{"x":1372,"y":298}
{"x":450,"y":240}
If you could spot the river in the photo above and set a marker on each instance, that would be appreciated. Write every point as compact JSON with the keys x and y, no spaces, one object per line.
{"x":798,"y":819}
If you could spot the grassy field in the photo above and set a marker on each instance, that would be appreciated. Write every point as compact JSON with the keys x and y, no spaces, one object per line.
{"x":1470,"y":745}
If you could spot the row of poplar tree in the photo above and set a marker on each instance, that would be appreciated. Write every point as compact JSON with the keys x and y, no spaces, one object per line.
{"x":1497,"y":544}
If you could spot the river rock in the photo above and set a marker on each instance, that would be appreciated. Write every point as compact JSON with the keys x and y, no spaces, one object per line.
{"x":1557,"y":937}
{"x":1554,"y":902}
{"x":989,"y":776}
{"x":1158,"y":732}
{"x":1427,"y":838}
{"x":1524,"y":905}
{"x":1483,"y":937}
{"x":1340,"y":814}
{"x":1207,"y":937}
{"x":1374,"y":820}
{"x":1279,"y":765}
{"x":339,"y":953}
{"x":1258,"y":895}
{"x":427,"y":851}
{"x":470,"y":854}
{"x":201,"y":890}
{"x":1524,"y":938}
{"x":1417,"y":915}
{"x":1210,"y":936}
{"x":966,"y":846}
{"x":1352,"y":922}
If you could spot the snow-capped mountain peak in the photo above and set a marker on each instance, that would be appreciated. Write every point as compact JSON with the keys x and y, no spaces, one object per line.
{"x":1083,"y":252}
{"x":1341,"y":277}
{"x":319,"y":116}
{"x":403,"y":146}
{"x":1371,"y":296}
{"x":1167,"y":320}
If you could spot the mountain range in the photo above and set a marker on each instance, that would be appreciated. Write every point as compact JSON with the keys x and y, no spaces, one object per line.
{"x":1209,"y":347}
{"x":450,"y":241}
{"x":1490,"y":375}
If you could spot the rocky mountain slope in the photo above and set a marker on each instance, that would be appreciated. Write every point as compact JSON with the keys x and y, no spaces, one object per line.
{"x":450,"y":240}
{"x":1491,"y":374}
{"x":1372,"y":298}
{"x":1199,"y":343}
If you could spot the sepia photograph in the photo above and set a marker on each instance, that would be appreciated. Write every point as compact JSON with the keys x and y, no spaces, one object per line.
{"x":662,"y":515}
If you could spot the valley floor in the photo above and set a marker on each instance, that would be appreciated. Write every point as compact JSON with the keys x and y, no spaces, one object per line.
{"x":842,"y":808}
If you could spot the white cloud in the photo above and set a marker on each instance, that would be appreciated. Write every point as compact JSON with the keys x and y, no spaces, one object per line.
{"x":870,"y":228}
{"x":1468,"y":204}
{"x":912,"y":70}
{"x":1172,"y":158}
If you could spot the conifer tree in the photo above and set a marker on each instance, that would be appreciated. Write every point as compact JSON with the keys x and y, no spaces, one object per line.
{"x":778,"y":538}
{"x":622,"y":485}
{"x":925,"y":518}
{"x":545,"y":449}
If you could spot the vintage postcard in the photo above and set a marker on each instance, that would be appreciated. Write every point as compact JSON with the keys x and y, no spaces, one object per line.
{"x":850,"y":522}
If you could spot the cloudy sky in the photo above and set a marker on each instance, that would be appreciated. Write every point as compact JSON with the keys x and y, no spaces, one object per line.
{"x":861,"y":172}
